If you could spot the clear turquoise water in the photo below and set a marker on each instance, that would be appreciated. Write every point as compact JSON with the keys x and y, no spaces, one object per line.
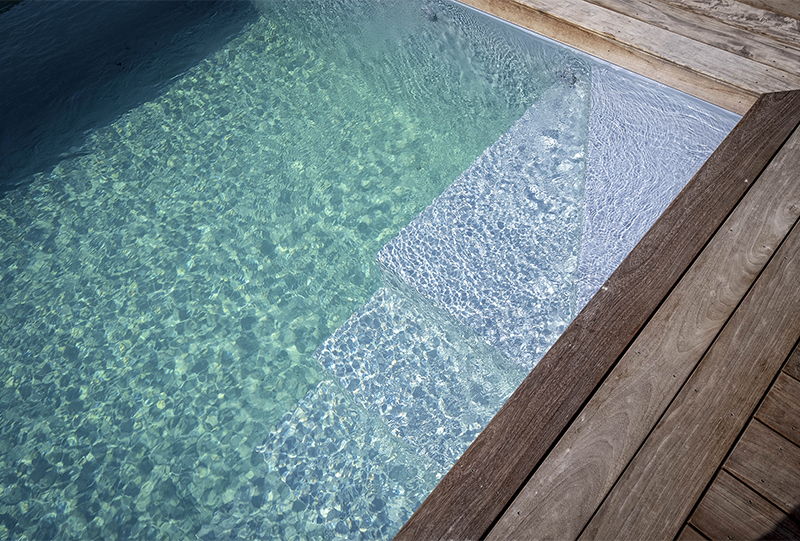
{"x":162,"y":292}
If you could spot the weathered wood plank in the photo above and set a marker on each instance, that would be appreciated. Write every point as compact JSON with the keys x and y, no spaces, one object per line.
{"x":732,"y":510}
{"x":487,"y":476}
{"x":690,"y":534}
{"x":770,"y":464}
{"x":711,"y":31}
{"x":677,"y":461}
{"x":788,"y":8}
{"x":668,"y":45}
{"x":747,"y":17}
{"x":793,"y":364}
{"x":563,"y":493}
{"x":781,"y":408}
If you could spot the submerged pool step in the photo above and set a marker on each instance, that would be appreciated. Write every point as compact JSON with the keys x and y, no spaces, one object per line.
{"x":433,"y":382}
{"x":413,"y":389}
{"x":333,"y":472}
{"x":340,"y":466}
{"x":646,"y":141}
{"x":499,"y":248}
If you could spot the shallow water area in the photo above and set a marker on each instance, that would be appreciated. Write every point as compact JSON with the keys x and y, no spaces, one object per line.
{"x":164,"y":288}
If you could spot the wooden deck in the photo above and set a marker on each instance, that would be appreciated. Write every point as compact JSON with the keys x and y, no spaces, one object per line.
{"x":670,"y":407}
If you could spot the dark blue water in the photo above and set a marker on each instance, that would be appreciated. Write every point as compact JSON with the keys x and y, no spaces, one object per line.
{"x":69,"y":66}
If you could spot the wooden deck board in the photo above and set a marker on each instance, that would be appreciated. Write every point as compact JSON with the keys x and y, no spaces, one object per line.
{"x":690,"y":534}
{"x":793,"y":365}
{"x":465,"y":503}
{"x":669,"y":473}
{"x":663,"y":44}
{"x":787,"y":8}
{"x":748,"y":18}
{"x":567,"y":487}
{"x":781,"y":408}
{"x":711,"y":31}
{"x":732,"y":510}
{"x":770,"y":464}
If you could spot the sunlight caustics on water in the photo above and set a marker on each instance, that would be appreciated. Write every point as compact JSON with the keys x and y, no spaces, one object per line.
{"x":164,"y":288}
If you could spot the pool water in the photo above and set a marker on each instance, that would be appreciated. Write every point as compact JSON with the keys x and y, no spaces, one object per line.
{"x":166,"y":284}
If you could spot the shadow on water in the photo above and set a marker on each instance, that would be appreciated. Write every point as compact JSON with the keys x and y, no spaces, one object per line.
{"x":67,"y":67}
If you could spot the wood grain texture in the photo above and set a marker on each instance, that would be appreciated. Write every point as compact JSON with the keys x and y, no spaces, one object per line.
{"x":757,"y":47}
{"x":690,"y":534}
{"x":732,"y":510}
{"x":770,"y":464}
{"x":781,"y":408}
{"x":793,"y":364}
{"x":564,"y":491}
{"x":475,"y":491}
{"x":788,"y":8}
{"x":747,"y":17}
{"x":663,"y":482}
{"x":719,"y":92}
{"x":683,"y":51}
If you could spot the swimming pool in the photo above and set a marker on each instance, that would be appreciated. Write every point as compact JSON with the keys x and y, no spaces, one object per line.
{"x":196,"y":337}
